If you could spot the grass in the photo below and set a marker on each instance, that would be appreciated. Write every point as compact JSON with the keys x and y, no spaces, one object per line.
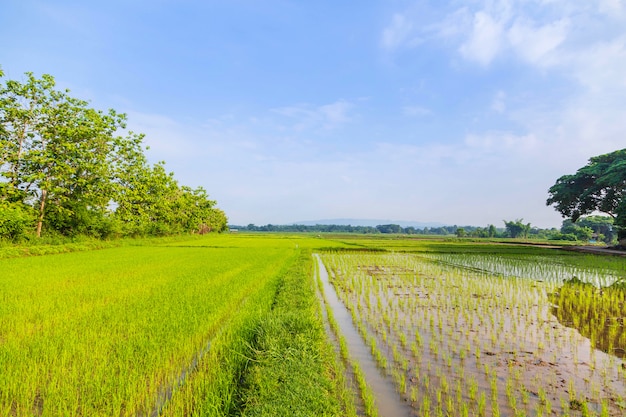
{"x":163,"y":326}
{"x":292,"y":369}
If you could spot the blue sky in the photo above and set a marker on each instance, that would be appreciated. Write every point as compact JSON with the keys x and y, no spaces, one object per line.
{"x":460,"y":112}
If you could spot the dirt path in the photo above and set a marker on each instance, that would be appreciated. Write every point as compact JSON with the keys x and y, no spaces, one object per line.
{"x":596,"y":250}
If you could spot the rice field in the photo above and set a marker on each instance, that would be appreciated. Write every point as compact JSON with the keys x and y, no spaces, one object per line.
{"x":478,"y":334}
{"x":149,"y":330}
{"x":236,"y":325}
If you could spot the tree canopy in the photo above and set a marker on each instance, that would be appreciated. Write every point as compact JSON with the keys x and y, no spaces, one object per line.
{"x":517,"y":228}
{"x":66,"y":169}
{"x":599,"y":186}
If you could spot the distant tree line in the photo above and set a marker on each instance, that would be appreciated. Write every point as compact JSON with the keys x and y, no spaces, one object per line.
{"x":338,"y":228}
{"x":67,"y":169}
{"x":589,"y":228}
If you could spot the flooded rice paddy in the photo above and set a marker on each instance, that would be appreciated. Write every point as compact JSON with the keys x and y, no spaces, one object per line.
{"x":388,"y":401}
{"x":460,"y":335}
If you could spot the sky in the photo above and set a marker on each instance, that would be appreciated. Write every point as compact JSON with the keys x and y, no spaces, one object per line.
{"x":457,"y":112}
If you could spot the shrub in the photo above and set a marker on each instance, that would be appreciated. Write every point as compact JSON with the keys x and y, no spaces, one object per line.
{"x":16,"y":221}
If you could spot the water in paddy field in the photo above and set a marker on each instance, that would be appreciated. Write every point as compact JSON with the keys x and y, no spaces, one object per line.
{"x":473,"y":342}
{"x":388,"y":401}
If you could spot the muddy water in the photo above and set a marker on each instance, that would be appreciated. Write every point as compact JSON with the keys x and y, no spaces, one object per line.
{"x":388,"y":401}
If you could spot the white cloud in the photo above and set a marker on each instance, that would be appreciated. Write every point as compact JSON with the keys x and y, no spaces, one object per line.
{"x":335,"y":113}
{"x":612,"y":8}
{"x":398,"y":33}
{"x":534,"y":43}
{"x":327,"y":116}
{"x":164,"y":135}
{"x":485,"y":40}
{"x":600,"y":66}
{"x":539,"y":32}
{"x":502,"y":142}
{"x":581,"y":45}
{"x":452,"y":25}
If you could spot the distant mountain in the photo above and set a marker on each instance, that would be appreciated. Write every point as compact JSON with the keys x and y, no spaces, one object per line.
{"x":369,"y":222}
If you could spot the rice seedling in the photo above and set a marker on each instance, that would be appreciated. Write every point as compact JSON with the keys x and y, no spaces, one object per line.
{"x":488,"y":317}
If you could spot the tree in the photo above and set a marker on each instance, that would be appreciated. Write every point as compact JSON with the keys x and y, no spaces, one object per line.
{"x":598,"y":186}
{"x":601,"y":225}
{"x":389,"y":228}
{"x":54,"y":149}
{"x":516,"y":228}
{"x":15,"y":220}
{"x":585,"y":227}
{"x":64,"y":168}
{"x":581,"y":232}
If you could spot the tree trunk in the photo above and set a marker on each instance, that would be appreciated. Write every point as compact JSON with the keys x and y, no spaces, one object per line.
{"x":42,"y":206}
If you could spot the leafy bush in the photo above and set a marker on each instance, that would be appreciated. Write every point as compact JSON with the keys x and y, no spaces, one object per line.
{"x":564,"y":236}
{"x":15,"y":222}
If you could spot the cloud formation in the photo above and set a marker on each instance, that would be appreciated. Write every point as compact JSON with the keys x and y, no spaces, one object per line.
{"x":326,"y":116}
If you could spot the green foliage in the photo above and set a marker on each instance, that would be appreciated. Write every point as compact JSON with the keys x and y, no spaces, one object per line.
{"x":16,"y":221}
{"x":389,"y":228}
{"x":601,"y":225}
{"x":582,"y":233}
{"x":596,"y":314}
{"x":67,"y":163}
{"x":292,"y":370}
{"x":598,"y":186}
{"x":491,"y":231}
{"x":516,"y":228}
{"x":564,"y":236}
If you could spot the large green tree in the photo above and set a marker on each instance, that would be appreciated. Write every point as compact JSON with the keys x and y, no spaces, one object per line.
{"x":599,"y":186}
{"x":55,"y":150}
{"x":65,"y":168}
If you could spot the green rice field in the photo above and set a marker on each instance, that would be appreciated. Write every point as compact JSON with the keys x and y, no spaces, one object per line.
{"x":140,"y":330}
{"x":235,"y":325}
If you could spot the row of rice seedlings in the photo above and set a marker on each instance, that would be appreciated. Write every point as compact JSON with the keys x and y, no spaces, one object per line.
{"x":343,"y":380}
{"x":460,"y":311}
{"x":592,"y":270}
{"x":112,"y":332}
{"x":367,"y":396}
